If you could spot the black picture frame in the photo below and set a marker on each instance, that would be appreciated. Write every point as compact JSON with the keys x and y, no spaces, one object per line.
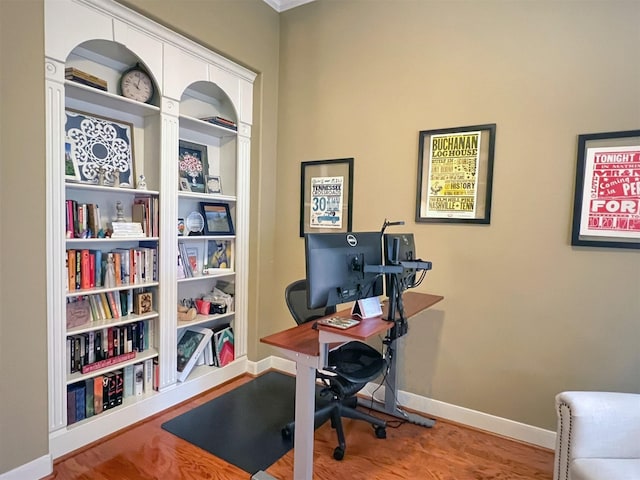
{"x":193,"y":166}
{"x":455,"y":174}
{"x":217,"y":218}
{"x":100,"y":149}
{"x":326,"y":213}
{"x":606,"y":206}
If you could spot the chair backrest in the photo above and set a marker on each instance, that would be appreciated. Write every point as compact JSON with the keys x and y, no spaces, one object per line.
{"x":296,"y":297}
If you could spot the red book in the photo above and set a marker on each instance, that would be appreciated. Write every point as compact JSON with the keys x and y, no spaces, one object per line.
{"x":92,"y":270}
{"x":97,"y":394}
{"x":110,"y":343}
{"x":85,"y":280}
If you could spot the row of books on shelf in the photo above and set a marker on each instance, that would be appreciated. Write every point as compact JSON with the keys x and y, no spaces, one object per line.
{"x":204,"y":346}
{"x":83,"y":220}
{"x":107,"y":306}
{"x":95,"y":395}
{"x":121,"y":266}
{"x":90,"y":351}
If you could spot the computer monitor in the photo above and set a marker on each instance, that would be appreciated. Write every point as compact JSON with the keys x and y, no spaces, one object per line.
{"x":335,"y":264}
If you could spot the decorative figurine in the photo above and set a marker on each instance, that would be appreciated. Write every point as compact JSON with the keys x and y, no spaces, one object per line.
{"x":142,"y":183}
{"x":119,"y":212}
{"x":110,"y":274}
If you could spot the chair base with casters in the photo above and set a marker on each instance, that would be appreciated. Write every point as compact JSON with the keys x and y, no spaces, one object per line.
{"x":343,"y":389}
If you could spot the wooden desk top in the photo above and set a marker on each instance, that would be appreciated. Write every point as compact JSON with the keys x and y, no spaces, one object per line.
{"x":304,"y":339}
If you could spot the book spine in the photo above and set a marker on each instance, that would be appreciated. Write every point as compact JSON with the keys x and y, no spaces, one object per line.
{"x":71,"y":266}
{"x":88,"y":83}
{"x":108,"y":362}
{"x":117,"y":268}
{"x":112,"y":304}
{"x":138,"y":379}
{"x":97,"y":394}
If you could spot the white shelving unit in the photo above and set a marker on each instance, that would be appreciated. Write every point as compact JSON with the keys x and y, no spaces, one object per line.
{"x":191,"y":83}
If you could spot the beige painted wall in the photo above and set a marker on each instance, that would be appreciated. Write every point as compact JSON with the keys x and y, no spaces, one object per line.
{"x":23,"y":324}
{"x":525,"y":315}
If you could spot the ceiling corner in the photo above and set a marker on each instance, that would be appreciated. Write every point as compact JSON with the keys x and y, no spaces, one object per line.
{"x":282,"y":5}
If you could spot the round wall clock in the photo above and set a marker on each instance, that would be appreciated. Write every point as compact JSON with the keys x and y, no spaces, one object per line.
{"x":136,"y":84}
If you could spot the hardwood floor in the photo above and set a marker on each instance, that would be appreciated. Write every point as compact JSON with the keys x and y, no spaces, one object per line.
{"x":445,"y":452}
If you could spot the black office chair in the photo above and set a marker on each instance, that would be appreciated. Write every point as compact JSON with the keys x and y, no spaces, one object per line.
{"x":351,"y":366}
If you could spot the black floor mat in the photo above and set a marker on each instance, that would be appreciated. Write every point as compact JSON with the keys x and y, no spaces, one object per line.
{"x":243,"y":426}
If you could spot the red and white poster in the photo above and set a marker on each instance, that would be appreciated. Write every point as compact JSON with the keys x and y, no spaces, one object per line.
{"x":611,"y":192}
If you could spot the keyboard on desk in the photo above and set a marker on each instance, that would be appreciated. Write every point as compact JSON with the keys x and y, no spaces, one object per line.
{"x":339,"y":322}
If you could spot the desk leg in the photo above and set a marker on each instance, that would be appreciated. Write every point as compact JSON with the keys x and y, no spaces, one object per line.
{"x":390,"y":406}
{"x":304,"y":429}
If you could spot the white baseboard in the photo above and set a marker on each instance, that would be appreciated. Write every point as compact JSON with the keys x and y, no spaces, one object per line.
{"x":472,"y":418}
{"x":38,"y":468}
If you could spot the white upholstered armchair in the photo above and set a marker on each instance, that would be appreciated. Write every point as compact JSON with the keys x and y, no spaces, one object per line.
{"x":598,"y":436}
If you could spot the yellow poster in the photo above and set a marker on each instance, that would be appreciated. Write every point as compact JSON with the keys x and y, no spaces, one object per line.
{"x":452,"y":176}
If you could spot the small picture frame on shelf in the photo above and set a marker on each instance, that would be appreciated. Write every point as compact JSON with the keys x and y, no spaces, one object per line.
{"x":219,"y":255}
{"x":214,"y":184}
{"x":217,"y":219}
{"x":181,"y":227}
{"x":193,"y":257}
{"x":184,"y":185}
{"x":70,"y":164}
{"x":192,"y":165}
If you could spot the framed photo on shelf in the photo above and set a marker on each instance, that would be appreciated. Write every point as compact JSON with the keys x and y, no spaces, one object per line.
{"x":606,"y":207}
{"x":183,"y":183}
{"x":219,"y":255}
{"x":181,"y":227}
{"x":214,"y":184}
{"x":193,"y":257}
{"x":191,"y":343}
{"x":192,"y":165}
{"x":102,"y":149}
{"x":217,"y":218}
{"x":70,"y":165}
{"x":455,"y":174}
{"x":326,"y":196}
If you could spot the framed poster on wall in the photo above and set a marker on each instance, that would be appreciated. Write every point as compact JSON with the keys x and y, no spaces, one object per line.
{"x":326,"y":196}
{"x":455,"y":174}
{"x":606,"y":207}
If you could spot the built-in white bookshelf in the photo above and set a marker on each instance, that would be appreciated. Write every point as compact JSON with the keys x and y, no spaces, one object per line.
{"x":191,"y":83}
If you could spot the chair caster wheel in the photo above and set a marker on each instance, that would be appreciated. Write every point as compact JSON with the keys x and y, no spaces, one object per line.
{"x":381,"y":432}
{"x":338,"y":453}
{"x":287,"y":433}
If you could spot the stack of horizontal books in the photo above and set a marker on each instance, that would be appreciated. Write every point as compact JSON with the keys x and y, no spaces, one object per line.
{"x":73,"y":74}
{"x":221,"y":121}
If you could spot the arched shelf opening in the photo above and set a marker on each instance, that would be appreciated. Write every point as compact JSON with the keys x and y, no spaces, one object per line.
{"x":104,"y":62}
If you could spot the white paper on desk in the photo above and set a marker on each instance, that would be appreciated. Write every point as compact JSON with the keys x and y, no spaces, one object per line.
{"x":367,"y":308}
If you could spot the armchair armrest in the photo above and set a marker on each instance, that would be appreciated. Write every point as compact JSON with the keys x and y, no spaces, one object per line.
{"x":596,"y":425}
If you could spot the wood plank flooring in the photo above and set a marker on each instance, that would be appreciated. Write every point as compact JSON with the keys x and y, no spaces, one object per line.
{"x":445,"y":452}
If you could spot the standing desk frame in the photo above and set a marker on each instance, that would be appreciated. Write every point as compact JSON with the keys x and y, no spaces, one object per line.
{"x":309,"y":349}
